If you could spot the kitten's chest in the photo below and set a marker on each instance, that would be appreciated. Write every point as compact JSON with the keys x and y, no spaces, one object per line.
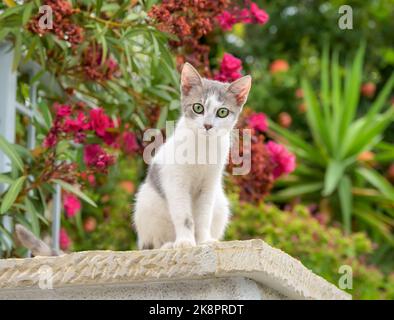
{"x":201,"y":178}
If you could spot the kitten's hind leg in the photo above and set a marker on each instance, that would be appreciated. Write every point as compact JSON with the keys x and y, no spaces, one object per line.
{"x":151,"y":219}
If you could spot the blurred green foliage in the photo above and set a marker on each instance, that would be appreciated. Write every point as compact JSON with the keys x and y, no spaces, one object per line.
{"x":331,"y":166}
{"x":322,"y":248}
{"x":297,"y":32}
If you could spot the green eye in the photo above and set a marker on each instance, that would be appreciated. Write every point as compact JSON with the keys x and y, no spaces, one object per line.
{"x":198,"y":108}
{"x":222,"y":112}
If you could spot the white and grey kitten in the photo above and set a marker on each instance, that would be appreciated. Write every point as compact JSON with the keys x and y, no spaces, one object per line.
{"x":183,"y":204}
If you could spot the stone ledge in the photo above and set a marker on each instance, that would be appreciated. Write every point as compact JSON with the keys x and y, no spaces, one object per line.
{"x":253,"y":259}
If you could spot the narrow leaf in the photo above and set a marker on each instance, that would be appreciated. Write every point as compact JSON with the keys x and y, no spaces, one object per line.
{"x":333,"y":175}
{"x":346,"y":199}
{"x":12,"y":194}
{"x":68,"y":187}
{"x":10,"y":151}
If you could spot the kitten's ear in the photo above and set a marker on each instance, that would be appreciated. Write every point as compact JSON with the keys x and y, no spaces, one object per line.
{"x":189,"y":78}
{"x":240,"y":89}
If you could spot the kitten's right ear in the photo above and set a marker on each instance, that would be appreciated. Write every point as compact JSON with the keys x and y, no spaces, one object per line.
{"x":189,"y":78}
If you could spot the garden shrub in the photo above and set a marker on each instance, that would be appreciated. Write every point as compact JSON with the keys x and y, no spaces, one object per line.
{"x":319,"y":247}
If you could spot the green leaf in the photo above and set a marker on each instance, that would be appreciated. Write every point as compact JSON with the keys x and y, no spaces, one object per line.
{"x":352,"y":90}
{"x":68,"y":187}
{"x":367,"y":215}
{"x":315,"y":120}
{"x":378,"y":181}
{"x":33,"y":215}
{"x":5,"y":179}
{"x":380,"y":100}
{"x":27,"y":13}
{"x":99,"y":4}
{"x":346,"y":200}
{"x":299,"y":146}
{"x":10,"y":151}
{"x":12,"y":194}
{"x":10,"y":11}
{"x":325,"y":79}
{"x":17,"y":50}
{"x":336,"y":96}
{"x":333,"y":175}
{"x":297,"y":190}
{"x":46,"y":114}
{"x":369,"y":133}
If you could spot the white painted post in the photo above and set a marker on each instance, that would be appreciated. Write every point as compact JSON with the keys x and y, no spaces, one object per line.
{"x":7,"y":111}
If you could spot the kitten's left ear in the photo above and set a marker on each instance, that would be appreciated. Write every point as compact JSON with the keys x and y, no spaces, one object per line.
{"x":240,"y":89}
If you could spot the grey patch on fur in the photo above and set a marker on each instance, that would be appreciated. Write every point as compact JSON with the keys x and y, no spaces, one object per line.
{"x":212,"y":87}
{"x":154,"y":179}
{"x":31,"y":242}
{"x":147,"y":246}
{"x":201,"y":93}
{"x":189,"y":223}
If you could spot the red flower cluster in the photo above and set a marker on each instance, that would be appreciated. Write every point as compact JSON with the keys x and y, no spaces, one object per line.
{"x":259,"y":181}
{"x":230,"y":68}
{"x":62,"y":27}
{"x":71,"y":204}
{"x":284,"y":162}
{"x":95,"y":157}
{"x":258,"y":121}
{"x":64,"y":240}
{"x":93,"y":121}
{"x":269,"y":161}
{"x":95,"y":68}
{"x":253,"y":15}
{"x":189,"y":20}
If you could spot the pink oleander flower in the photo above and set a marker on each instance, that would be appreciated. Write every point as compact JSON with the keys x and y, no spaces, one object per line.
{"x":284,"y":161}
{"x":230,"y":68}
{"x":226,"y":20}
{"x":230,"y":64}
{"x":50,"y":140}
{"x":71,"y":205}
{"x":258,"y":121}
{"x":129,"y":142}
{"x":96,"y":157}
{"x":64,"y":240}
{"x":245,"y":16}
{"x":259,"y":15}
{"x":100,"y":122}
{"x":250,"y":15}
{"x":80,"y":123}
{"x":62,"y":110}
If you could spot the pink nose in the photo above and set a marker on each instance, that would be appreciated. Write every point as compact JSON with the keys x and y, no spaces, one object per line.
{"x":207,"y":126}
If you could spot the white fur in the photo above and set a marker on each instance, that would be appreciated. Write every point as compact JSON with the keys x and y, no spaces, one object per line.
{"x":191,"y":190}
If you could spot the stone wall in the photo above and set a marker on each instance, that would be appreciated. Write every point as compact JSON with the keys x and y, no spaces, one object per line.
{"x":226,"y":270}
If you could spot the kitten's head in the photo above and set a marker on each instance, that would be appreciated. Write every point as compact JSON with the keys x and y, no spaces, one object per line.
{"x":210,"y":106}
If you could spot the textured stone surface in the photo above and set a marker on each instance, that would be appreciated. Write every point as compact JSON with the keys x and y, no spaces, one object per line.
{"x":236,"y":288}
{"x":274,"y":274}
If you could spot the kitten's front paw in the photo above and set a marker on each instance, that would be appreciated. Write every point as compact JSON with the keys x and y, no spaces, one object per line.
{"x":184,"y":243}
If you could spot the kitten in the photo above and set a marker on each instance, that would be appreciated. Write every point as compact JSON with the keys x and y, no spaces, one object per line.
{"x":183,"y":204}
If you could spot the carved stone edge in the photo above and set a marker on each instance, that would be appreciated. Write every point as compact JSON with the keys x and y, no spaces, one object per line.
{"x":253,"y":259}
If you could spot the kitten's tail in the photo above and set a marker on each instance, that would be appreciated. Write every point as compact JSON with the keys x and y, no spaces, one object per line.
{"x":31,"y":242}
